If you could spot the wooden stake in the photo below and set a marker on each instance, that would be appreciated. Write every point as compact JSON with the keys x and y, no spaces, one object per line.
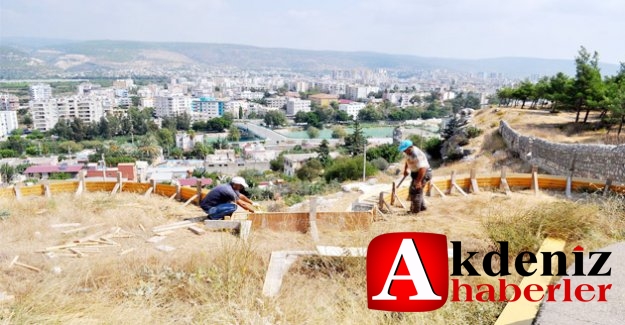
{"x":504,"y":183}
{"x":474,"y":187}
{"x":534,"y":185}
{"x":198,"y":186}
{"x":312,"y":218}
{"x":606,"y":189}
{"x":393,"y":195}
{"x":18,"y":191}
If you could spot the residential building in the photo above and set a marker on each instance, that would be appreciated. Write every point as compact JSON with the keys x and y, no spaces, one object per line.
{"x":293,"y":162}
{"x":274,"y":103}
{"x":257,"y":152}
{"x":40,"y":92}
{"x":206,"y":108}
{"x":295,"y":105}
{"x":359,"y":92}
{"x":44,"y":172}
{"x":251,"y":95}
{"x":352,"y":108}
{"x":172,"y":105}
{"x":9,"y":102}
{"x":8,"y":122}
{"x":323,"y":100}
{"x":46,"y":113}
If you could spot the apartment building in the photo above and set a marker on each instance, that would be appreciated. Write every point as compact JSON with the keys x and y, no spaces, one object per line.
{"x":46,"y":113}
{"x":9,"y":102}
{"x":172,"y":105}
{"x":274,"y":103}
{"x":206,"y":108}
{"x":359,"y":92}
{"x":40,"y":92}
{"x":295,"y":105}
{"x":323,"y":100}
{"x":352,"y":108}
{"x":8,"y":122}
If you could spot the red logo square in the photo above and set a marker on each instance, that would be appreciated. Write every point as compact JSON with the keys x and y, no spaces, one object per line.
{"x":407,"y":272}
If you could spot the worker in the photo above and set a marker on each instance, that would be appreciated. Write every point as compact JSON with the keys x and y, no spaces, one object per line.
{"x":420,"y":172}
{"x":222,"y":200}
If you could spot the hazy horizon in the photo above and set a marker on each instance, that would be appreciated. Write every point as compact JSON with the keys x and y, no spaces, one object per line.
{"x":462,"y":29}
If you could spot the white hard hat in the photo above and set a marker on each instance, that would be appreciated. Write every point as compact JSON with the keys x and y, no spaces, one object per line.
{"x":239,"y":180}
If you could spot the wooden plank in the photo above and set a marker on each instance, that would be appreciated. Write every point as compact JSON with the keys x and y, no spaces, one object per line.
{"x":115,"y":189}
{"x":223,"y":224}
{"x":81,"y":228}
{"x":437,"y":190}
{"x":523,"y":311}
{"x":245,"y":230}
{"x":197,"y":230}
{"x":148,"y":192}
{"x":65,"y":225}
{"x":189,"y":200}
{"x":342,"y":251}
{"x":279,"y":264}
{"x":393,"y":194}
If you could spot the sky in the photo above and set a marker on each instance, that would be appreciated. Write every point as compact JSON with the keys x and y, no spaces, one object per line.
{"x":465,"y":29}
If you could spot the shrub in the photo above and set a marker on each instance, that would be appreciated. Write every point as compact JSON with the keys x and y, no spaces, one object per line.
{"x":380,"y":163}
{"x":473,"y":132}
{"x":348,"y":168}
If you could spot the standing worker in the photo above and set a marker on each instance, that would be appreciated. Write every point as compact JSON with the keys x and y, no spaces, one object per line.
{"x":220,"y":201}
{"x":420,"y":173}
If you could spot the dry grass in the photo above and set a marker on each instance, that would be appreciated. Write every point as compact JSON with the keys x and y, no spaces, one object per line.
{"x":217,"y":279}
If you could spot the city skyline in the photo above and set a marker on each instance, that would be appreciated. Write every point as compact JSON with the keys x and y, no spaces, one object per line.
{"x":448,"y":29}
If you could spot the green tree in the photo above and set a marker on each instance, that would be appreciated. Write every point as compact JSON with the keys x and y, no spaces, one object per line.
{"x":348,"y":168}
{"x":355,"y":142}
{"x":338,"y":132}
{"x":310,"y":170}
{"x":6,"y":173}
{"x":312,"y":132}
{"x":588,"y":86}
{"x":275,"y":118}
{"x":233,"y":133}
{"x":324,"y":153}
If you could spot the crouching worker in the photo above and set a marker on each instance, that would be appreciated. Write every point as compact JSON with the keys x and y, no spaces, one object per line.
{"x":420,"y":172}
{"x":222,"y":200}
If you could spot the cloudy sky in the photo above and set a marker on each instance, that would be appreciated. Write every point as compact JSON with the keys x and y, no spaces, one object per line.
{"x":436,"y":28}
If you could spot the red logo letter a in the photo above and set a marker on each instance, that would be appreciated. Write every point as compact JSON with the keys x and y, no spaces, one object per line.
{"x":419,"y":284}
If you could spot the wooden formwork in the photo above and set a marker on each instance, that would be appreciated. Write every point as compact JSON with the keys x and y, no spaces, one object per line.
{"x":300,"y":221}
{"x":61,"y":187}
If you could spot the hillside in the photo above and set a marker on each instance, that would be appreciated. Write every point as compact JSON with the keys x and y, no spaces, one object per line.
{"x":21,"y":58}
{"x":216,"y":278}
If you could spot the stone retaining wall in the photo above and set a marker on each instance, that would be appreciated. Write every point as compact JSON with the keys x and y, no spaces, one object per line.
{"x":582,"y":160}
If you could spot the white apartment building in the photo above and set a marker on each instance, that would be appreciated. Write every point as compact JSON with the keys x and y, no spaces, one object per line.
{"x":206,"y":108}
{"x":169,"y":106}
{"x":146,"y":102}
{"x":352,"y":108}
{"x":46,"y":113}
{"x":251,"y":95}
{"x":274,"y":103}
{"x":295,"y":105}
{"x":40,"y":92}
{"x":234,"y":106}
{"x":9,"y":102}
{"x":359,"y":92}
{"x":123,"y":84}
{"x":8,"y":122}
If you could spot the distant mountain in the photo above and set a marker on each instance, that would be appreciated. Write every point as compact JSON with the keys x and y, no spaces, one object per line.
{"x":21,"y":58}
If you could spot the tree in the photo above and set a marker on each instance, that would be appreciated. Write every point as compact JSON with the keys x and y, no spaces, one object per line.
{"x":588,"y":86}
{"x":370,"y":114}
{"x":275,"y":118}
{"x":355,"y":142}
{"x":346,"y":168}
{"x":310,"y":170}
{"x":165,"y":138}
{"x":338,"y":132}
{"x":312,"y":131}
{"x":324,"y":152}
{"x":233,"y":133}
{"x":6,"y":173}
{"x":183,"y":121}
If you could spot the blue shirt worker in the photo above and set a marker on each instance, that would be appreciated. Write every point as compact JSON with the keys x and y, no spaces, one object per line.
{"x":420,"y":172}
{"x":222,"y":200}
